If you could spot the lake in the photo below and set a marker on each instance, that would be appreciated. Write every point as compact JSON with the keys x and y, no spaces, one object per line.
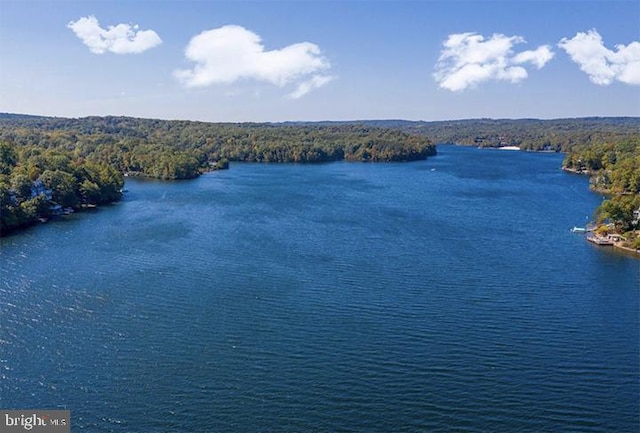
{"x":441,"y":295}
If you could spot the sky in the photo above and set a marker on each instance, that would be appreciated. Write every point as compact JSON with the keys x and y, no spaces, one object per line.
{"x":273,"y":61}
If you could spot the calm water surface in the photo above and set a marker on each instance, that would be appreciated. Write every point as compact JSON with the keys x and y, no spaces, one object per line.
{"x":444,"y":295}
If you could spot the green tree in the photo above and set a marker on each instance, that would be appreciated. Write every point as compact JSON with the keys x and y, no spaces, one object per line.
{"x":8,"y":158}
{"x":64,"y":186}
{"x":619,"y":210}
{"x":90,"y":192}
{"x":21,"y":185}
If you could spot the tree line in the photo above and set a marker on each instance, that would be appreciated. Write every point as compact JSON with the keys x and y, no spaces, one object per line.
{"x":554,"y":135}
{"x":182,"y":149}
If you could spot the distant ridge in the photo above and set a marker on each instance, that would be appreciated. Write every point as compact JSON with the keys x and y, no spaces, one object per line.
{"x":387,"y":123}
{"x":15,"y":116}
{"x":558,"y":135}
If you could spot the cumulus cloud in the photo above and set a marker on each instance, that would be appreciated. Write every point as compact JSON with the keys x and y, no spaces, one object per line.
{"x":468,"y":59}
{"x":231,"y":53}
{"x":601,"y":64}
{"x":119,"y":39}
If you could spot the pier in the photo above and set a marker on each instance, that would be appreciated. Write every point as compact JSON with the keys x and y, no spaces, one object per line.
{"x":600,"y":240}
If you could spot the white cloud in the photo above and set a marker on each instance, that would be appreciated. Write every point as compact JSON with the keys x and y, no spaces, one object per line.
{"x":539,"y":57}
{"x":306,"y":86}
{"x":119,"y":39}
{"x":601,"y":64}
{"x":469,"y":59}
{"x":231,"y":53}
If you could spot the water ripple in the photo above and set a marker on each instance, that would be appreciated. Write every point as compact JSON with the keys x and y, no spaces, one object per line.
{"x":357,"y":298}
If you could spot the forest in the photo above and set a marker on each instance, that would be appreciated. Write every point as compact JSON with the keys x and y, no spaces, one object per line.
{"x":181,"y":149}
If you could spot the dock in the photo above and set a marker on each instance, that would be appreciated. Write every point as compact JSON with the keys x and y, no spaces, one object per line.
{"x":600,"y":240}
{"x":614,"y":240}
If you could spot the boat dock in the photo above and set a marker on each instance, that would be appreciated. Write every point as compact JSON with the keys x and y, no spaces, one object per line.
{"x":600,"y":240}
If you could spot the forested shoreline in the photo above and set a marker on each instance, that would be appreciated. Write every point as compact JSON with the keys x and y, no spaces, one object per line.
{"x":614,"y":170}
{"x":48,"y":164}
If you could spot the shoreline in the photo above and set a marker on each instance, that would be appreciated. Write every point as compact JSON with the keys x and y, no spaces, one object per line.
{"x":615,"y":244}
{"x":629,"y":249}
{"x":612,"y":240}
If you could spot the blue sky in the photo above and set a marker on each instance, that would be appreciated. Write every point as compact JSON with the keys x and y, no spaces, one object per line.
{"x":320,"y":60}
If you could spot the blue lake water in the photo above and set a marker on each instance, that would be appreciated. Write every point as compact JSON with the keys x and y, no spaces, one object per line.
{"x":443,"y":295}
